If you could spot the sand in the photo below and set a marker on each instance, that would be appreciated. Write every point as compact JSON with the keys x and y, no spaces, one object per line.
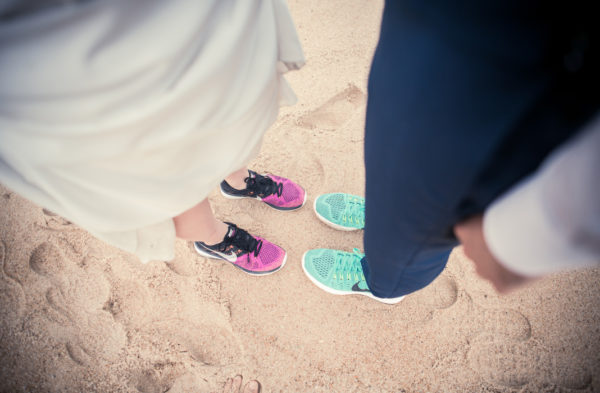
{"x":81,"y":316}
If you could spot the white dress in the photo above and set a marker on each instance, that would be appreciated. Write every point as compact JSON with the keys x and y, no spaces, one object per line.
{"x":120,"y":115}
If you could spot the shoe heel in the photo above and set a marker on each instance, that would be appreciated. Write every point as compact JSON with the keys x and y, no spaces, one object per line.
{"x":203,"y":253}
{"x":229,"y":196}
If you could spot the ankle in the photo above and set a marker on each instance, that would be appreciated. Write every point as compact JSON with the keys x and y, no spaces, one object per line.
{"x":237,"y":180}
{"x":217,"y":235}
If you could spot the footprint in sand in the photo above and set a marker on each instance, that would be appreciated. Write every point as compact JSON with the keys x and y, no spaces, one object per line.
{"x":12,"y":296}
{"x":513,"y":364}
{"x":442,"y":293}
{"x":501,"y":348}
{"x":184,"y":266}
{"x":503,"y":352}
{"x":505,"y":323}
{"x":189,"y":383}
{"x":55,"y":222}
{"x":163,"y":377}
{"x":207,"y":344}
{"x":192,"y":383}
{"x":310,"y":171}
{"x":130,"y":304}
{"x":236,"y":385}
{"x":211,"y":346}
{"x":46,"y":260}
{"x":302,"y":165}
{"x":188,"y":262}
{"x":336,"y":111}
{"x":75,"y":315}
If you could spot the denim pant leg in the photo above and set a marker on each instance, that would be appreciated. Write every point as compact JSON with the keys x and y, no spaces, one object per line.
{"x":427,"y":135}
{"x":451,"y":123}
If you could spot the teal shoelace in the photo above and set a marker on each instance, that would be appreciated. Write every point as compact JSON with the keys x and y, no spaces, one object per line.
{"x":354,"y":212}
{"x":348,"y":267}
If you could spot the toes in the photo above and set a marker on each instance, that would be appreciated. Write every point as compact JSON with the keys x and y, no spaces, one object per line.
{"x":228,"y":385}
{"x":252,"y":387}
{"x":237,"y":384}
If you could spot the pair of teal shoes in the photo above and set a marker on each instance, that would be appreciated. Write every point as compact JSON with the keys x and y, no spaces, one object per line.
{"x":339,"y":272}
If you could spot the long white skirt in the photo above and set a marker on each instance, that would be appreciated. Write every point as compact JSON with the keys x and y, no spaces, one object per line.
{"x":120,"y":115}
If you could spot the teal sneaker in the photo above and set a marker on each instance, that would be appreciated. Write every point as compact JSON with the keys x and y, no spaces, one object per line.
{"x":339,"y":273}
{"x":345,"y":212}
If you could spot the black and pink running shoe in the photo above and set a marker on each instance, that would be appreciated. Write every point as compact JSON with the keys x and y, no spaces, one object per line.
{"x":278,"y":192}
{"x":254,"y":255}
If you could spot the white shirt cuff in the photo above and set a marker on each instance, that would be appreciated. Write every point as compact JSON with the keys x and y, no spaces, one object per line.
{"x":551,"y":220}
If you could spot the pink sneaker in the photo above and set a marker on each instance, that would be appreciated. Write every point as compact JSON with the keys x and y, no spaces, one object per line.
{"x":278,"y":192}
{"x":254,"y":255}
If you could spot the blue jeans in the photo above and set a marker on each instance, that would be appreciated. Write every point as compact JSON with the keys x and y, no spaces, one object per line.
{"x":461,"y":106}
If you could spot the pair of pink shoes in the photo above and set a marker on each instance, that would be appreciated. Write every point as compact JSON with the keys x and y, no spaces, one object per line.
{"x":253,"y":254}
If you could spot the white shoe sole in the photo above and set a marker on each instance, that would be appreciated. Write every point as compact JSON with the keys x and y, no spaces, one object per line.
{"x":394,"y":300}
{"x":332,"y":224}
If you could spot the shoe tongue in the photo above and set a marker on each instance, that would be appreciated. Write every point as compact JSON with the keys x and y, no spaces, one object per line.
{"x":230,"y":233}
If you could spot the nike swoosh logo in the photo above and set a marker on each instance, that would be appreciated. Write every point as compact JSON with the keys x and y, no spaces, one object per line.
{"x":231,"y":257}
{"x":355,"y":288}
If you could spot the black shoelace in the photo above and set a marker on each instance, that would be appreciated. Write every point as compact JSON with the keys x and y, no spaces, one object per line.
{"x":242,"y":240}
{"x":263,"y":186}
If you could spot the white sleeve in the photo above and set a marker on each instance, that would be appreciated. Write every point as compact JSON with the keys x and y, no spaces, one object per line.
{"x":551,"y":220}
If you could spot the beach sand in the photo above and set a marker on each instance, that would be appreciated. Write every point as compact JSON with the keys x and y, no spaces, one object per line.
{"x":81,"y":316}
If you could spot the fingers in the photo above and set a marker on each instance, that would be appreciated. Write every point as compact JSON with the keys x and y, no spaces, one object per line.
{"x":470,"y":234}
{"x":465,"y":229}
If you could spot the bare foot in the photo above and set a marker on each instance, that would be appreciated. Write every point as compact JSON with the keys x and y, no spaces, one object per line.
{"x":235,"y":385}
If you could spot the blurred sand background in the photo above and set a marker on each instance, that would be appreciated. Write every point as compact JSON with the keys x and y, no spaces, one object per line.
{"x":80,"y":316}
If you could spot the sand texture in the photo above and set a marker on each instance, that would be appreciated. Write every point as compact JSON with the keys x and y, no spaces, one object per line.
{"x":81,"y":316}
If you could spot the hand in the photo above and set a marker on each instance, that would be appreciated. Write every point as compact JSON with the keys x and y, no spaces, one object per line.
{"x":470,"y":234}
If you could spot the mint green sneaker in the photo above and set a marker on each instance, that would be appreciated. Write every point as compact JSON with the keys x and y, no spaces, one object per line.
{"x":345,"y":212}
{"x":339,"y":273}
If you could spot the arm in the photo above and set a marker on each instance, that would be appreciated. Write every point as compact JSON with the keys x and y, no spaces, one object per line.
{"x":549,"y":222}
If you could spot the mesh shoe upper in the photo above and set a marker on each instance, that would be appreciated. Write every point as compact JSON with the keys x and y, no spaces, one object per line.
{"x":251,"y":254}
{"x":339,"y":273}
{"x":276,"y":191}
{"x":338,"y":270}
{"x":343,"y":210}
